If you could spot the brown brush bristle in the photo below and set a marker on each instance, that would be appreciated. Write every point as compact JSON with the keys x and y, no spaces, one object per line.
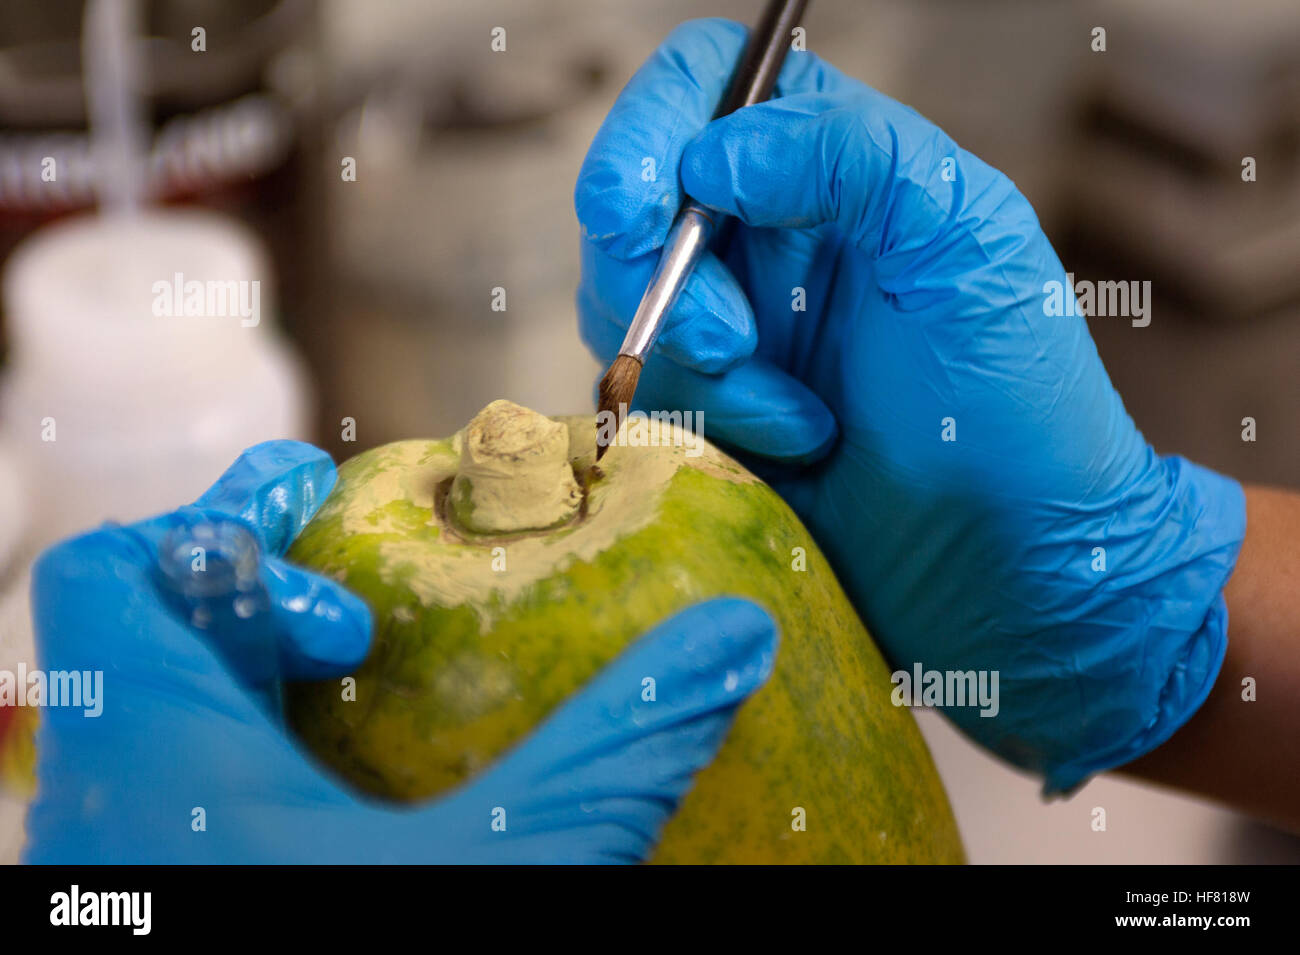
{"x":616,"y":391}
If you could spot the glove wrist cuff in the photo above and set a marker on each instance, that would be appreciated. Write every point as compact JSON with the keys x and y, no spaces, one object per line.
{"x":1176,"y":646}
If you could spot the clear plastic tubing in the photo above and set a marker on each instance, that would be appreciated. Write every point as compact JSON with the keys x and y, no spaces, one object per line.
{"x":110,"y":54}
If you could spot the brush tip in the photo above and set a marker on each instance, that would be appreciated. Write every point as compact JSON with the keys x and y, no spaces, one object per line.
{"x":616,"y":391}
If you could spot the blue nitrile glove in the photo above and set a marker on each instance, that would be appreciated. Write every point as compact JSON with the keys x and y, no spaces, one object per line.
{"x":924,"y":321}
{"x":178,"y":733}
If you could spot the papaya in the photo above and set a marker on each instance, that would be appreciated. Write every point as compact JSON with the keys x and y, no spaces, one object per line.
{"x":505,"y":567}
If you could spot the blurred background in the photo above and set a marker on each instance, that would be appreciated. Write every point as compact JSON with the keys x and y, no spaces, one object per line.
{"x":377,"y":292}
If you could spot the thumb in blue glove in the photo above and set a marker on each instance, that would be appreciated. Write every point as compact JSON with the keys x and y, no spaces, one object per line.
{"x":189,"y":762}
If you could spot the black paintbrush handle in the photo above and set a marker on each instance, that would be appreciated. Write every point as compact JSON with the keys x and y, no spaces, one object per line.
{"x":755,"y":78}
{"x":695,"y":225}
{"x":755,"y":75}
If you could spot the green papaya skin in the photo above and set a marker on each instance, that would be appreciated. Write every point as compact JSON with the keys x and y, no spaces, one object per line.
{"x":477,"y":638}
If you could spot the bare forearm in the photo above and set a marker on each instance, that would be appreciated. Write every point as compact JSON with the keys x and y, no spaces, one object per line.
{"x":1242,"y":752}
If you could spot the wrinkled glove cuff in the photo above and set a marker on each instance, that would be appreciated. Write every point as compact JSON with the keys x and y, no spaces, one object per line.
{"x":1211,"y":510}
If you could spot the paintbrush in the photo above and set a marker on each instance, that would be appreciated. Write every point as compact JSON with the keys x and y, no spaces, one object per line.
{"x":694,"y":225}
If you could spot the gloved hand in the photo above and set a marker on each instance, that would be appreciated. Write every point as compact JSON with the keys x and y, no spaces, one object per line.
{"x":178,"y":732}
{"x":959,"y":454}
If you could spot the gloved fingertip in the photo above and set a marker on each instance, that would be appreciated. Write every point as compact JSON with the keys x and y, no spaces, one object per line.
{"x":803,"y":437}
{"x":731,"y":635}
{"x":710,"y":328}
{"x":323,"y":629}
{"x":702,"y":338}
{"x":706,"y":172}
{"x":275,"y":487}
{"x":755,"y":407}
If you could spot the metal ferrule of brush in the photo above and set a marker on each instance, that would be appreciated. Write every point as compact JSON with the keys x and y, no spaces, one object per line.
{"x":687,"y":240}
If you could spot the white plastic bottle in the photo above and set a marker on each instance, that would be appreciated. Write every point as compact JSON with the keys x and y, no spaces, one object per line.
{"x":123,"y":399}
